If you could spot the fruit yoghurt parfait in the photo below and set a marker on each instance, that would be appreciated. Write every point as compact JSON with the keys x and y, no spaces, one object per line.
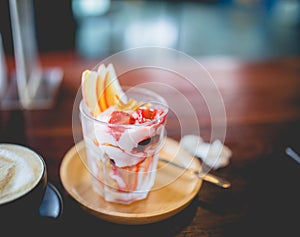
{"x":123,"y":130}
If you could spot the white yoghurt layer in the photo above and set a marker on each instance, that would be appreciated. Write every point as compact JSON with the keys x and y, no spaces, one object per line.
{"x":122,"y":149}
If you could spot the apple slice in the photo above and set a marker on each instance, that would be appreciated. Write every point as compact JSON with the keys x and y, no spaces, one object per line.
{"x":100,"y":89}
{"x":113,"y":88}
{"x":88,"y":86}
{"x":102,"y":71}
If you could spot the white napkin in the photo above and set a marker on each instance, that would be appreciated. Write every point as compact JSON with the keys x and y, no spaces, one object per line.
{"x":215,"y":154}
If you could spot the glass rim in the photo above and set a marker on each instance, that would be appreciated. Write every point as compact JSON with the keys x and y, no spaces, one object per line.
{"x":162,"y":102}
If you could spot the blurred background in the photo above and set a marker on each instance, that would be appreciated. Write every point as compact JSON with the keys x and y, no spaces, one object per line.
{"x":248,"y":29}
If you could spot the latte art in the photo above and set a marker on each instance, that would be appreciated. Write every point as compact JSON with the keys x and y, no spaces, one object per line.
{"x":20,"y":171}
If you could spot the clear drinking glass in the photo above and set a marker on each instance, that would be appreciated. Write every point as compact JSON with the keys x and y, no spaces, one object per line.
{"x":123,"y":158}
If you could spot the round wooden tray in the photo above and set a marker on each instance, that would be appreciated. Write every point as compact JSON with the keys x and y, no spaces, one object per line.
{"x":173,"y":190}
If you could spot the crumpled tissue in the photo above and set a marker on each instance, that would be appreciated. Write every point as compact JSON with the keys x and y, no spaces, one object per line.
{"x":215,"y":154}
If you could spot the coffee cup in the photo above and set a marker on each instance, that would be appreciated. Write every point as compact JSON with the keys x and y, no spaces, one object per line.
{"x":25,"y":193}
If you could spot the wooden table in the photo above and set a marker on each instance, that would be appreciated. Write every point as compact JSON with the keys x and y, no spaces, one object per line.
{"x":262,"y":104}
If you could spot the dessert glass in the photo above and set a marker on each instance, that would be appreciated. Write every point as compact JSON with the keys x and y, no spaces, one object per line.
{"x":122,"y":158}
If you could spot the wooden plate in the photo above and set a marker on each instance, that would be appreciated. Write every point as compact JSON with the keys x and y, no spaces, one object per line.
{"x":173,"y":190}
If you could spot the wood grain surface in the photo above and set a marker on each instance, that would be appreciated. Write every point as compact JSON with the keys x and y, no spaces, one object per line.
{"x":262,"y":105}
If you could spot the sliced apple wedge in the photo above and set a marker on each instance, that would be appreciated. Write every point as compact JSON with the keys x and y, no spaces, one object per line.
{"x":101,"y":88}
{"x":102,"y":71}
{"x":89,"y":91}
{"x":113,"y":89}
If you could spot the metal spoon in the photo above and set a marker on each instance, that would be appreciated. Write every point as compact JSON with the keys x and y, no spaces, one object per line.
{"x":289,"y":151}
{"x":201,"y":174}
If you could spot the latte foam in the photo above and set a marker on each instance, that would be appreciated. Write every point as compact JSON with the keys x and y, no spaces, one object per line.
{"x":20,"y":171}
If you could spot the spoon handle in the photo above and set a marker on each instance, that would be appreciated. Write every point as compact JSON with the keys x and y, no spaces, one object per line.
{"x":292,"y":154}
{"x":202,"y":175}
{"x":215,"y":180}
